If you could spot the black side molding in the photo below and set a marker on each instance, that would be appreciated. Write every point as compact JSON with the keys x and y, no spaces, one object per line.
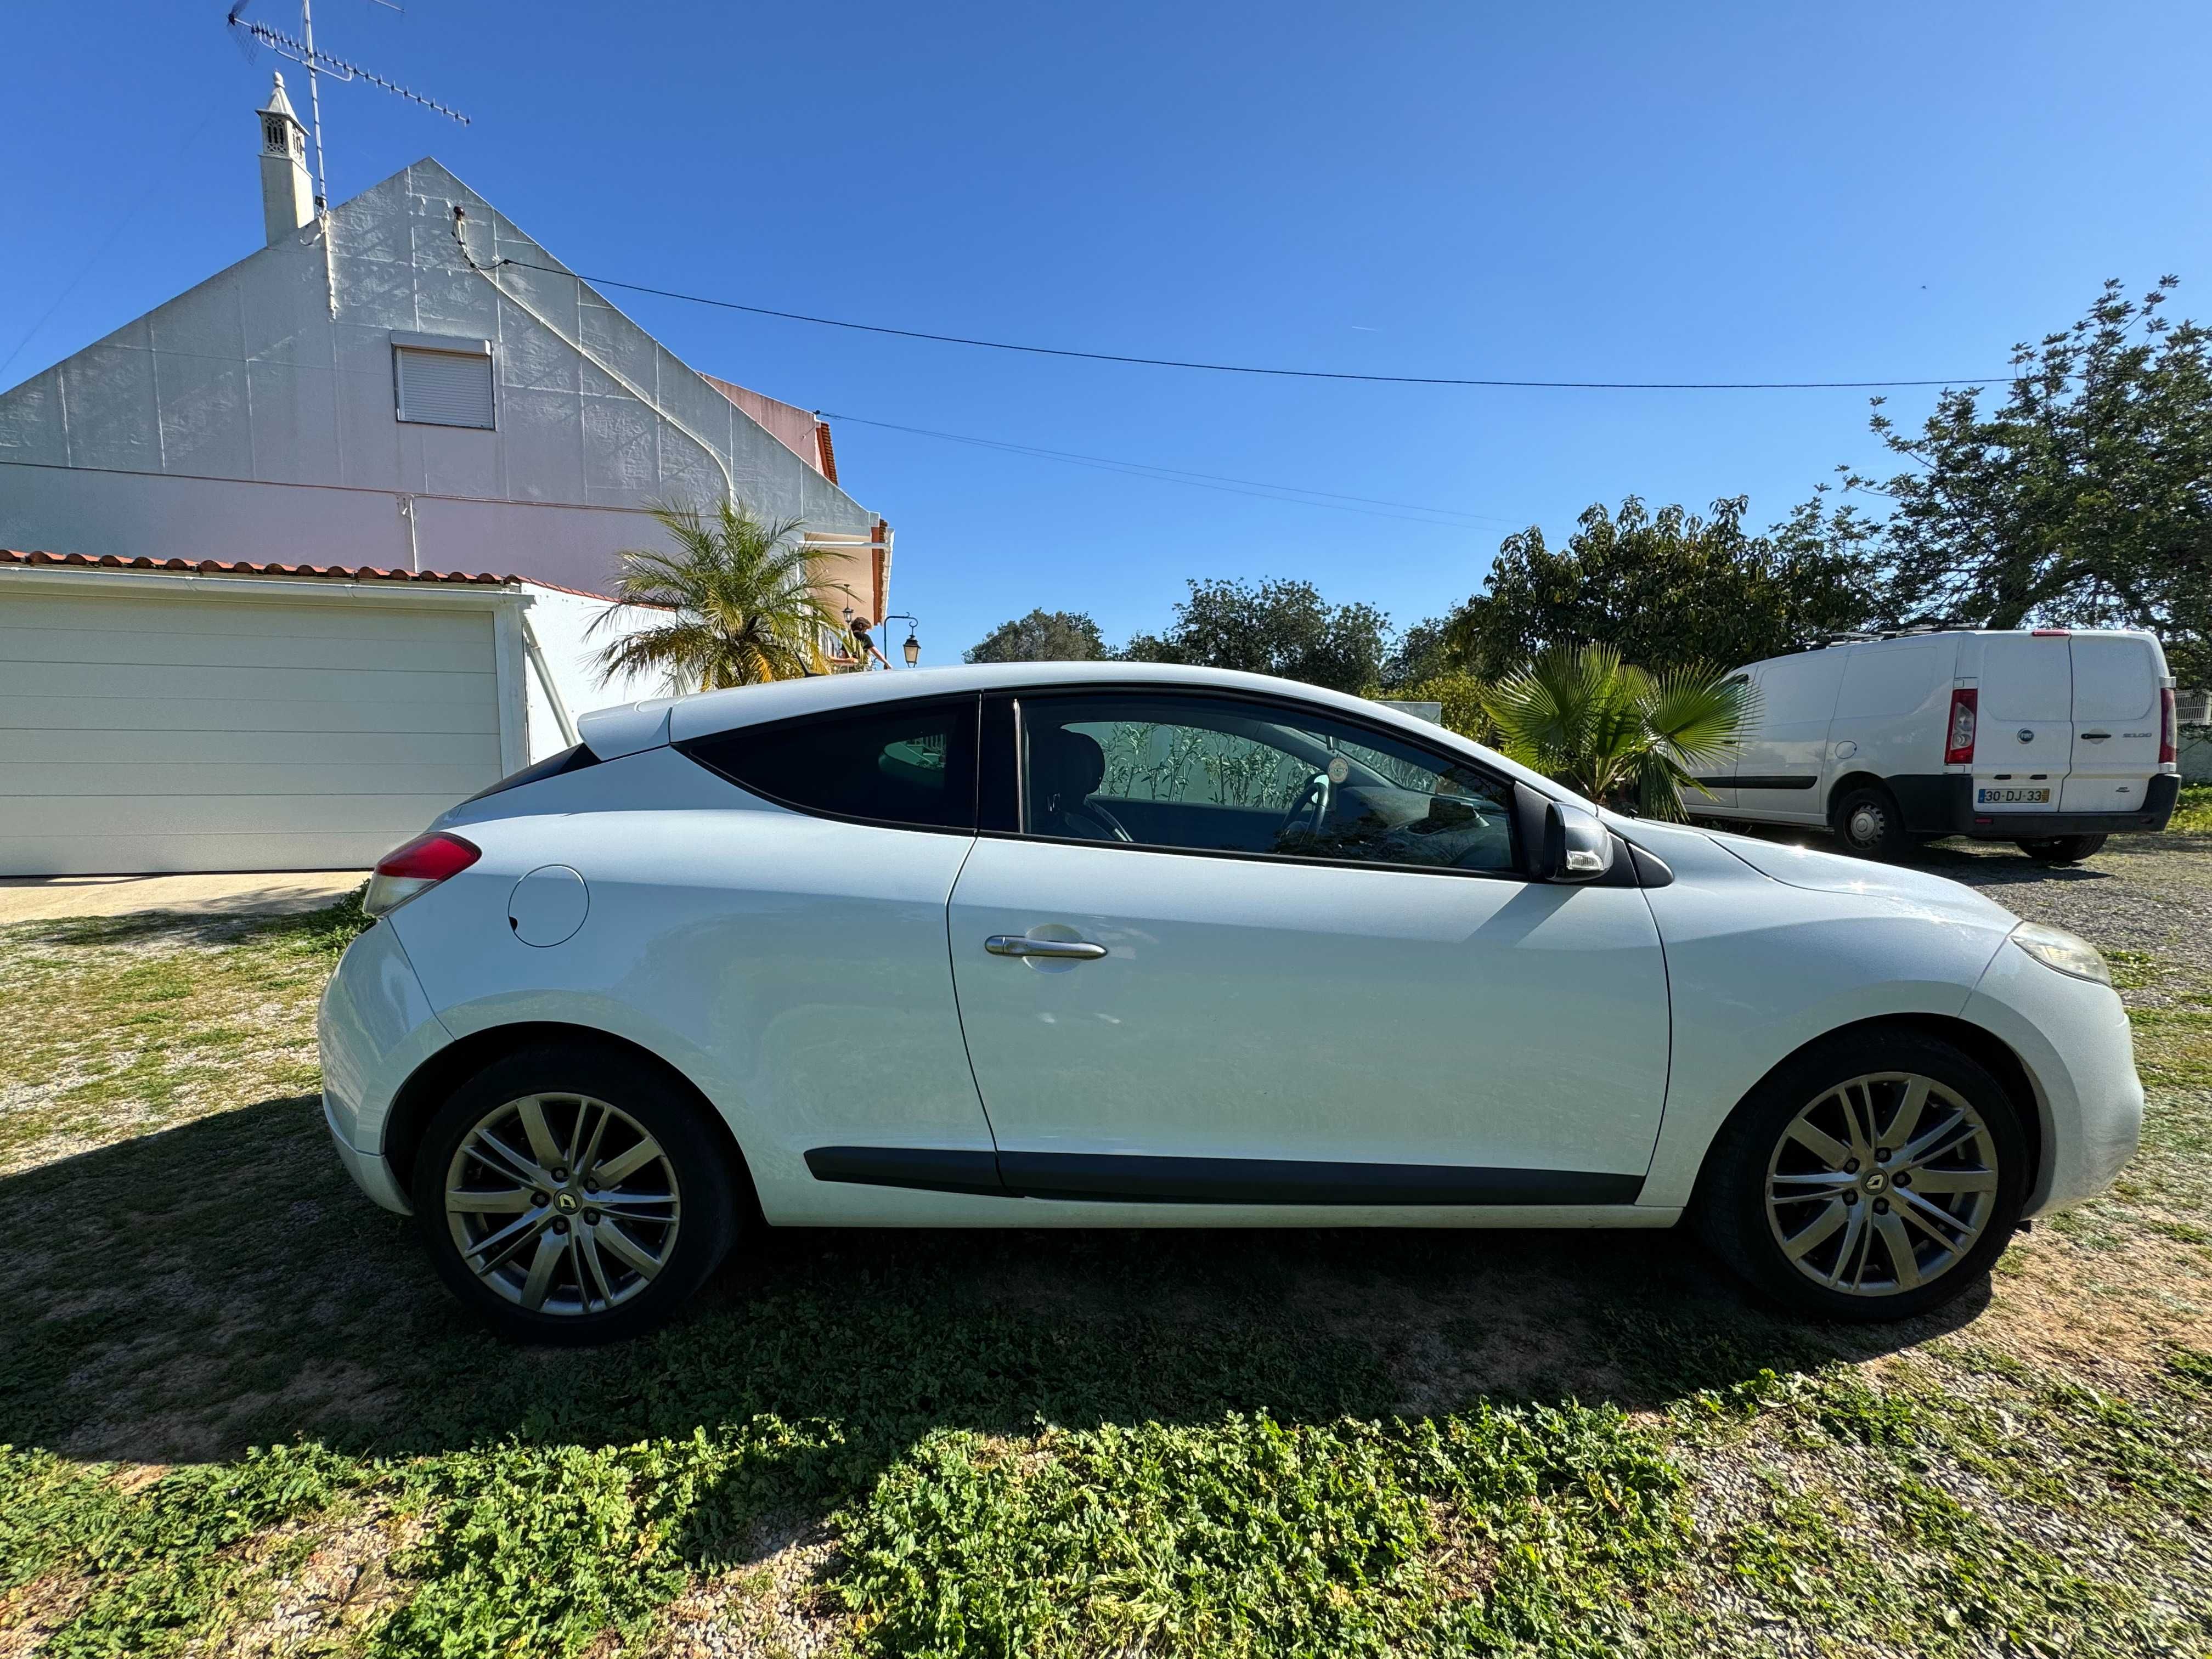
{"x":1120,"y":1179}
{"x":1773,"y":780}
{"x":931,"y":1168}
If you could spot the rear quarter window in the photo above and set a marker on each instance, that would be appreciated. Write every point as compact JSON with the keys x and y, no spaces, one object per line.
{"x":908,"y":764}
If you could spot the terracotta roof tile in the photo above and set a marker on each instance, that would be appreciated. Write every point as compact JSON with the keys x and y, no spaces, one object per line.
{"x":249,"y":568}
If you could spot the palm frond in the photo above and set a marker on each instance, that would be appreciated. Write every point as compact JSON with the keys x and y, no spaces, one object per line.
{"x":744,"y":596}
{"x":1614,"y":732}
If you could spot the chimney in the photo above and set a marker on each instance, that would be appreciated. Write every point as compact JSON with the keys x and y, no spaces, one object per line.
{"x":288,"y":197}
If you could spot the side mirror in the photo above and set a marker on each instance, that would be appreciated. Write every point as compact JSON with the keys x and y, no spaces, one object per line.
{"x":1561,"y":842}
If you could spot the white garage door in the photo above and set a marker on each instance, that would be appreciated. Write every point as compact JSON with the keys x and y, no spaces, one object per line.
{"x":141,"y":731}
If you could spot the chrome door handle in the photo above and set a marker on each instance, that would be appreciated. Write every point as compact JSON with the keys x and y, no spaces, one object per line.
{"x":1020,"y":945}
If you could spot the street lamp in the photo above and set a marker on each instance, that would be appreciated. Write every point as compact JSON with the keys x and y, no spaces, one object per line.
{"x":912,"y":649}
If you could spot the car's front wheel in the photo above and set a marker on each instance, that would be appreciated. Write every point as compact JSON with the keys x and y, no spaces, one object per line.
{"x":569,"y":1196}
{"x":1875,"y":1175}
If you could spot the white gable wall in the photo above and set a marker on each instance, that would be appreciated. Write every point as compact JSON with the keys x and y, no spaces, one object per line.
{"x":243,"y":420}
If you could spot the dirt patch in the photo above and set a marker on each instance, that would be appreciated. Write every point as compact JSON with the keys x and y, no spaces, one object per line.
{"x":331,"y":1599}
{"x":774,"y":1607}
{"x":2099,"y":1315}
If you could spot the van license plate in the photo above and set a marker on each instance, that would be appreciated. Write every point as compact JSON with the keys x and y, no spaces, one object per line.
{"x":2012,"y":797}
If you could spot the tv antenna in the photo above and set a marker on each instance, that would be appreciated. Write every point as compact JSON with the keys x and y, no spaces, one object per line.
{"x":300,"y":50}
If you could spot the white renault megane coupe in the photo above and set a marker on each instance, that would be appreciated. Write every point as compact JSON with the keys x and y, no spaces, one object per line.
{"x":1091,"y":944}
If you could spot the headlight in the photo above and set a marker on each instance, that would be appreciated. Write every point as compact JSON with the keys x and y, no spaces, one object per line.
{"x":2070,"y":953}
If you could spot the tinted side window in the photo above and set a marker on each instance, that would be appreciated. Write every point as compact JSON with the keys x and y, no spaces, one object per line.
{"x":1222,"y":774}
{"x":905,"y":763}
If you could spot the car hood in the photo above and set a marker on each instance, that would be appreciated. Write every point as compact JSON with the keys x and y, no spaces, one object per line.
{"x":1827,"y":872}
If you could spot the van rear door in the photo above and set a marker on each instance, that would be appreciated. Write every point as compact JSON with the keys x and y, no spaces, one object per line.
{"x":2024,"y":741}
{"x":2116,"y":680}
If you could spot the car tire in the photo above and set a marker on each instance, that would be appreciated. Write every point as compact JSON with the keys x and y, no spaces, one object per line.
{"x":1767,"y":1205}
{"x":1868,"y":824}
{"x":571,"y":1255}
{"x":2061,"y":849}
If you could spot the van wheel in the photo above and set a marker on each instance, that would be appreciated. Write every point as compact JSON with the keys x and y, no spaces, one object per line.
{"x":2061,"y":849}
{"x":1875,"y":1175}
{"x":570,"y":1198}
{"x":1868,"y":824}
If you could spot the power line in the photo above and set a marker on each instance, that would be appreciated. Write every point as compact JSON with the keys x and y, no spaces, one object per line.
{"x":1298,"y":495}
{"x":1249,"y":369}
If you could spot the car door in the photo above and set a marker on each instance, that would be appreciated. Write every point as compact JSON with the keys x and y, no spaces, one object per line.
{"x":1779,"y":767}
{"x":1288,"y":959}
{"x":2117,"y":722}
{"x":2024,"y":735}
{"x":799,"y":937}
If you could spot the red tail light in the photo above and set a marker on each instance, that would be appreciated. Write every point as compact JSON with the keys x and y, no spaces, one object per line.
{"x":415,"y":868}
{"x":1958,"y":746}
{"x":2169,"y":740}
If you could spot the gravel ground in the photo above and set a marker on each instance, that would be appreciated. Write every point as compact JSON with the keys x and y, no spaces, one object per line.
{"x":2140,"y":893}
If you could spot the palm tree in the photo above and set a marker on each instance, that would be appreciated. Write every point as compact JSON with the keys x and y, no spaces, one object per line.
{"x":1615,"y":732}
{"x":743,"y":594}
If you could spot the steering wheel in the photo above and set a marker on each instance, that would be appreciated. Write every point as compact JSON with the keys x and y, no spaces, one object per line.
{"x":1309,"y":812}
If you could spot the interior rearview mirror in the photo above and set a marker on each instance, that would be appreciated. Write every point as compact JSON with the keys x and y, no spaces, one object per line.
{"x":1561,"y":842}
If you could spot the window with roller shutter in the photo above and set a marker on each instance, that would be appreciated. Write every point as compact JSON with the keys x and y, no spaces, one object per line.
{"x":444,"y":387}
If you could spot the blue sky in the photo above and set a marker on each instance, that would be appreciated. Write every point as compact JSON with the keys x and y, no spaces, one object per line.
{"x":1605,"y":191}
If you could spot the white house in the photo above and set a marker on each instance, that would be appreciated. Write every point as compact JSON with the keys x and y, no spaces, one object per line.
{"x":356,"y":460}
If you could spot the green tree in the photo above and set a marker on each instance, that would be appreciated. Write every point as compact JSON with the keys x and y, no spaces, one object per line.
{"x":1460,"y":694}
{"x":1665,"y":589}
{"x":1281,"y":627}
{"x":1616,"y":734}
{"x":2083,"y":498}
{"x":1041,"y":637}
{"x":1423,"y":652}
{"x":742,"y":595}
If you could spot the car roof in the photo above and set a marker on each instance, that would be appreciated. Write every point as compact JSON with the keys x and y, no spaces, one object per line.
{"x":628,"y":727}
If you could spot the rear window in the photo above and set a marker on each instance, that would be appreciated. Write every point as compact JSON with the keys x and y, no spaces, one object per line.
{"x":912,"y":764}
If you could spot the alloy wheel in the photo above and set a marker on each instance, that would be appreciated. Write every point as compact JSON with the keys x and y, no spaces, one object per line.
{"x":1882,"y":1183}
{"x":562,"y":1204}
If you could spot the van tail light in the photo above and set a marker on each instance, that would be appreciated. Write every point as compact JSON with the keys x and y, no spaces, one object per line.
{"x":415,"y":869}
{"x":1958,"y":746}
{"x":2169,"y":745}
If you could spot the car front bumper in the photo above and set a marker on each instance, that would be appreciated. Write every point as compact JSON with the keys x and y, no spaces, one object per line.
{"x":2074,"y":1038}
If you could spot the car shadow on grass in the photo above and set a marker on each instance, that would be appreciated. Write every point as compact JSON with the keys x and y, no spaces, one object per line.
{"x":188,"y":1294}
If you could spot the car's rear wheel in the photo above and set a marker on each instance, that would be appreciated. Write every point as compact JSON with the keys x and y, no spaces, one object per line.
{"x":2061,"y":849}
{"x":570,"y":1197}
{"x":1875,"y":1175}
{"x":1868,"y":824}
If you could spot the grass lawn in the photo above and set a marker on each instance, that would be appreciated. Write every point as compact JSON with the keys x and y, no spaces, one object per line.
{"x":246,"y":1420}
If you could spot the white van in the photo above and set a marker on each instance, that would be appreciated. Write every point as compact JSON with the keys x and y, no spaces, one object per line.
{"x":2053,"y":740}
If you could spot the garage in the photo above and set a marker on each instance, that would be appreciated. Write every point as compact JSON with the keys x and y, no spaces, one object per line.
{"x":166,"y":716}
